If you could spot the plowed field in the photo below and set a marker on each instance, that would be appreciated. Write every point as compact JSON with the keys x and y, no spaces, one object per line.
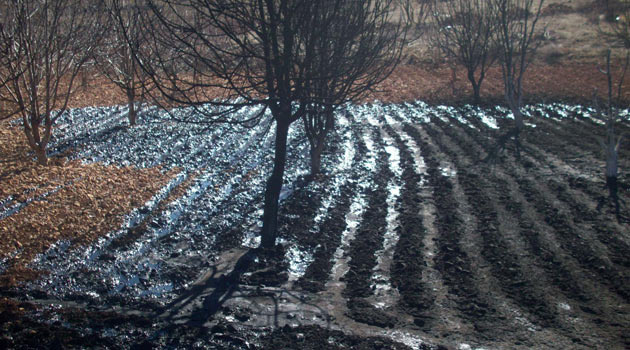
{"x":409,"y":240}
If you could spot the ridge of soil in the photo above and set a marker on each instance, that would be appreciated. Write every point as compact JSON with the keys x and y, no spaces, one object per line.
{"x":518,"y":254}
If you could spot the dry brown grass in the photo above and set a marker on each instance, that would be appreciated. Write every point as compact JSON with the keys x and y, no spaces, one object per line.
{"x":571,"y":27}
{"x":564,"y":69}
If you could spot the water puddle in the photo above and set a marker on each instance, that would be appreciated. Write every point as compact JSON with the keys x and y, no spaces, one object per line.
{"x":298,"y":259}
{"x":140,"y":269}
{"x":454,"y":113}
{"x":417,"y":112}
{"x":413,"y":341}
{"x":448,"y":171}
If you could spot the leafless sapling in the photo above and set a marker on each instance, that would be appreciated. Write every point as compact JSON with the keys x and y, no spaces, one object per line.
{"x":114,"y":56}
{"x":465,"y":33}
{"x":516,"y":41}
{"x":610,"y":144}
{"x":349,"y":57}
{"x":319,"y":121}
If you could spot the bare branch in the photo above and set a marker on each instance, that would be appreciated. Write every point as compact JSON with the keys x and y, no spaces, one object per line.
{"x":517,"y":42}
{"x":46,"y":42}
{"x":287,"y":55}
{"x":465,"y":34}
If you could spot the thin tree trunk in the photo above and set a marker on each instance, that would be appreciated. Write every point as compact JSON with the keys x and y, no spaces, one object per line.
{"x":274,"y":186}
{"x":518,"y":128}
{"x":611,"y":160}
{"x":613,"y":194}
{"x":131,"y":98}
{"x":612,"y":164}
{"x":611,"y":183}
{"x":519,"y":122}
{"x":476,"y":93}
{"x":35,"y":141}
{"x":40,"y":153}
{"x":476,"y":87}
{"x":454,"y":80}
{"x":316,"y":158}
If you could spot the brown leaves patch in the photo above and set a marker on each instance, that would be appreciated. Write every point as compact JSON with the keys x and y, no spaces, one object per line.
{"x":569,"y":82}
{"x":95,"y":90}
{"x":90,"y":201}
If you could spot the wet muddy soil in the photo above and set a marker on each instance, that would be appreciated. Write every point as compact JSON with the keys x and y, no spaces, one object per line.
{"x":409,"y":240}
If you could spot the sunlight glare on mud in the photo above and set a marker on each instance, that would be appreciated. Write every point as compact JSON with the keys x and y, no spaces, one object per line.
{"x":395,"y":175}
{"x":385,"y":295}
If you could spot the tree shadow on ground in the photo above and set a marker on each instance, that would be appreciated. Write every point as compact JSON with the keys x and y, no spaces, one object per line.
{"x":228,"y":281}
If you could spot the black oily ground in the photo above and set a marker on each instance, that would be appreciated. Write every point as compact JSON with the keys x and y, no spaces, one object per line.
{"x":514,"y":281}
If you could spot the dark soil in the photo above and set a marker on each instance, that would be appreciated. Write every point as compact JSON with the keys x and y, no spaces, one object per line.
{"x":521,"y":251}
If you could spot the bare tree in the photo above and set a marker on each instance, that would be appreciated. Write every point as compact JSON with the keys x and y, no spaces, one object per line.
{"x":325,"y":95}
{"x":465,"y":33}
{"x":265,"y":52}
{"x":617,"y":33}
{"x":517,"y":41}
{"x":115,"y":56}
{"x":319,"y":121}
{"x":330,"y":83}
{"x":610,"y":144}
{"x":46,"y":42}
{"x":8,"y":59}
